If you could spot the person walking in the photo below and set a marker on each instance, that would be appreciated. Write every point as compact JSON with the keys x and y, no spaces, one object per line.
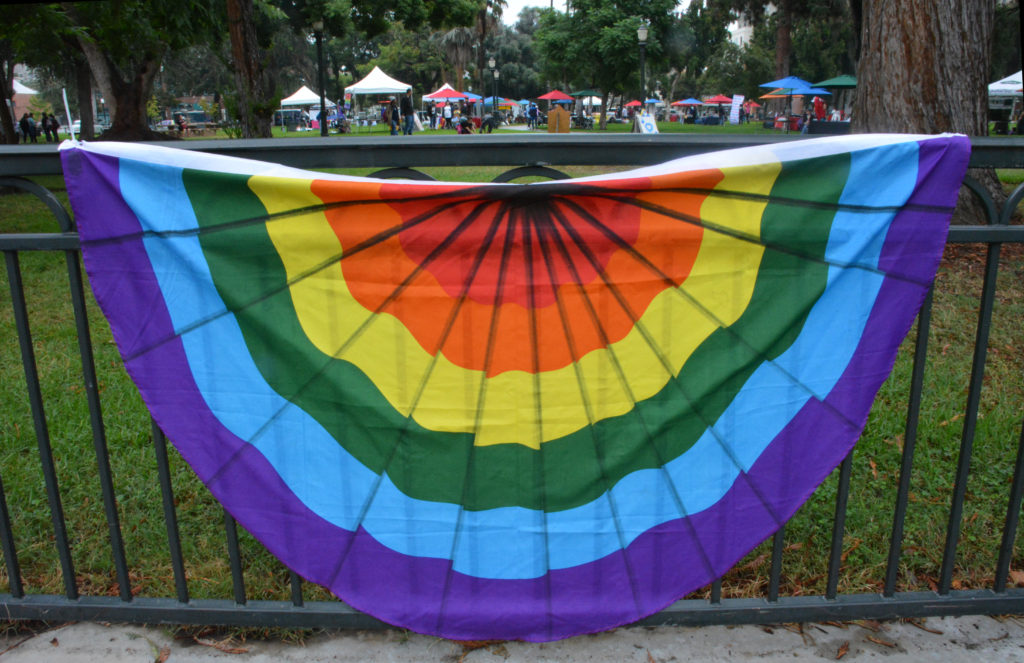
{"x":23,"y":127}
{"x":432,"y":116}
{"x":408,"y":117}
{"x":393,"y":116}
{"x":33,"y":129}
{"x":447,"y":115}
{"x":55,"y":127}
{"x":49,"y":130}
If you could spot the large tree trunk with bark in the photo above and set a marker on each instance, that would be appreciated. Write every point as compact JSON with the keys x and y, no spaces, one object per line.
{"x":255,"y":93}
{"x":924,"y":69}
{"x":130,"y":120}
{"x":125,"y":99}
{"x":83,"y":85}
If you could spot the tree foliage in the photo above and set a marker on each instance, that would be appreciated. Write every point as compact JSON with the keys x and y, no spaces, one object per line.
{"x":124,"y":43}
{"x":737,"y":70}
{"x":596,"y":46}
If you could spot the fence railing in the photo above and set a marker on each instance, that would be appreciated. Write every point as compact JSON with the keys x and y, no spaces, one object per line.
{"x":524,"y":155}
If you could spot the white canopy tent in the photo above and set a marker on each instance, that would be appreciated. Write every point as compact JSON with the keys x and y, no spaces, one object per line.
{"x":21,"y":88}
{"x":1007,"y":87}
{"x":304,"y":97}
{"x":1005,"y":95}
{"x":436,"y":95}
{"x":377,"y":82}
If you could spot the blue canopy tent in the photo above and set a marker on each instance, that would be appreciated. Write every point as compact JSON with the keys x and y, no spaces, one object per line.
{"x":789,"y":83}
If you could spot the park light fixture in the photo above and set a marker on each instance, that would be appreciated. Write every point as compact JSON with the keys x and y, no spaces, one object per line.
{"x":641,"y":36}
{"x":318,"y":29}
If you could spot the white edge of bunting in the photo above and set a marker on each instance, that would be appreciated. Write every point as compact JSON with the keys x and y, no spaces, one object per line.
{"x":743,"y":156}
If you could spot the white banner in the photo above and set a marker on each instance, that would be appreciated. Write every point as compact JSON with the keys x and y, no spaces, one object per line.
{"x":734,"y":111}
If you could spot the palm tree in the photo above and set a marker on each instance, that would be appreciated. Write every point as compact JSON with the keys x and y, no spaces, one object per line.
{"x":487,"y":19}
{"x":457,"y":45}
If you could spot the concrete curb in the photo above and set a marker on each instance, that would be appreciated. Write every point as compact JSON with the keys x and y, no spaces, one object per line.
{"x":940,"y":639}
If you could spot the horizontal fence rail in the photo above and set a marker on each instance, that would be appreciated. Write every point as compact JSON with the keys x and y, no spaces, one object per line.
{"x":524,"y":155}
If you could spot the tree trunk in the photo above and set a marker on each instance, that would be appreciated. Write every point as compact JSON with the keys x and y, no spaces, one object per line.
{"x":255,"y":112}
{"x":102,"y":72}
{"x":125,"y":99}
{"x":7,"y":134}
{"x":129,"y":117}
{"x":83,"y":85}
{"x":924,"y":69}
{"x":481,"y":56}
{"x":784,"y":38}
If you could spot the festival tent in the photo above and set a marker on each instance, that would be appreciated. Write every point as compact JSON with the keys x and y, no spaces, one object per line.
{"x":783,"y":93}
{"x":718,"y":99}
{"x":843,"y":81}
{"x":1010,"y":86}
{"x":1005,"y":94}
{"x":377,"y":82}
{"x":631,"y":104}
{"x":555,"y":95}
{"x":304,"y":97}
{"x":444,"y":93}
{"x":21,"y":88}
{"x":688,"y":102}
{"x":787,"y":82}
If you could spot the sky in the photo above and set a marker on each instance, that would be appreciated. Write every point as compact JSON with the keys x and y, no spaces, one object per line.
{"x":510,"y":14}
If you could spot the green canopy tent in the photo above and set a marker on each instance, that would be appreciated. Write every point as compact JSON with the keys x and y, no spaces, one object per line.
{"x":582,"y":97}
{"x":842,"y":84}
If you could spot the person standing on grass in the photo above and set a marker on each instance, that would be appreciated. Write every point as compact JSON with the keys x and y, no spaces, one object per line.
{"x":33,"y":129}
{"x":447,"y":115}
{"x":393,"y":116}
{"x":407,"y":113}
{"x":55,"y":127}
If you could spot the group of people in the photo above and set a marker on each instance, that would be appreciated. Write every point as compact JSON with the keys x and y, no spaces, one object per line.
{"x":48,"y":125}
{"x":447,"y":116}
{"x":401,"y":115}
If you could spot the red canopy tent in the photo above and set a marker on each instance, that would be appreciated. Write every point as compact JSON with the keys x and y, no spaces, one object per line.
{"x":632,"y":103}
{"x":719,"y":99}
{"x":555,"y":95}
{"x":444,"y":93}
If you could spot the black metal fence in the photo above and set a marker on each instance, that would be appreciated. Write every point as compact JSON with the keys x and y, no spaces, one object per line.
{"x":524,"y":155}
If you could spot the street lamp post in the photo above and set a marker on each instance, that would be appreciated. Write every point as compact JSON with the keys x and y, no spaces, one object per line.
{"x":318,"y":28}
{"x":490,"y":65}
{"x":497,"y":74}
{"x":641,"y":35}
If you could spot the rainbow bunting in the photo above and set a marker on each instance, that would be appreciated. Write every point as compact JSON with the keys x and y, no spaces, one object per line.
{"x":515,"y":411}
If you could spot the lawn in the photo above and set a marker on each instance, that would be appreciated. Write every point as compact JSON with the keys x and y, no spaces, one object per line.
{"x":625,"y":127}
{"x":875,"y":461}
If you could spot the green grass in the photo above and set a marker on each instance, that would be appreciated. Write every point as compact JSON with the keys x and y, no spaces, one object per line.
{"x":875,"y":460}
{"x":383,"y":130}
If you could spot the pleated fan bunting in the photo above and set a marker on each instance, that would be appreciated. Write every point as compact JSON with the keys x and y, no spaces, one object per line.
{"x":515,"y":411}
